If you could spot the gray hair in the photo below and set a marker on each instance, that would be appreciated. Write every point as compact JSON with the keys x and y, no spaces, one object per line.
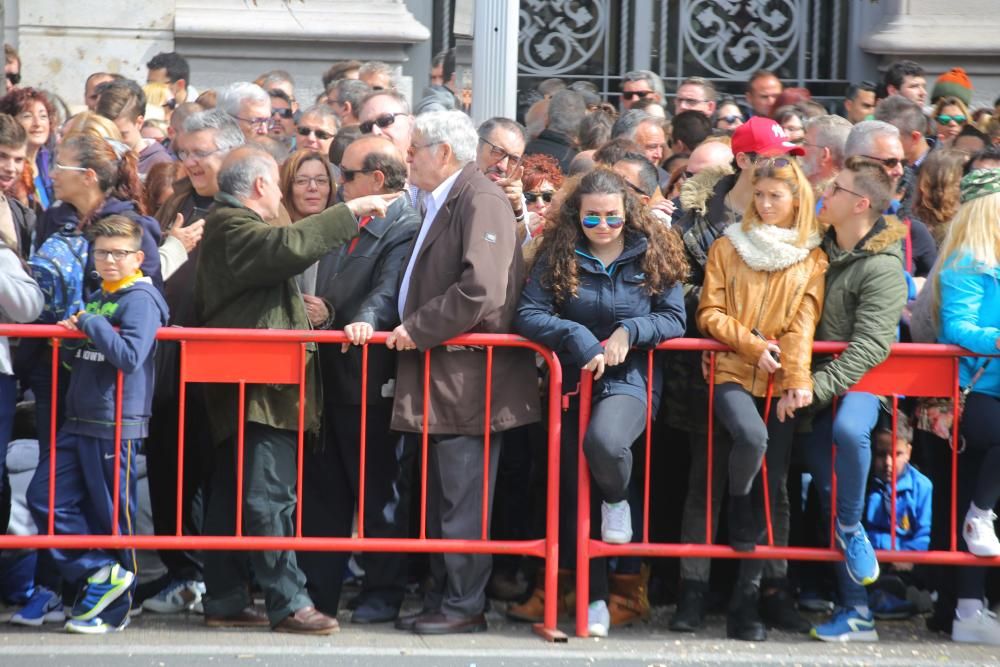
{"x":449,"y":127}
{"x":491,"y":125}
{"x":275,"y":77}
{"x":323,"y":112}
{"x":226,"y":131}
{"x":861,"y":140}
{"x":377,"y":67}
{"x":349,"y":90}
{"x":629,"y":122}
{"x":831,"y":132}
{"x":905,"y":114}
{"x":400,"y":98}
{"x":566,"y":112}
{"x":710,"y":93}
{"x":232,"y":96}
{"x":237,"y":177}
{"x":655,"y":82}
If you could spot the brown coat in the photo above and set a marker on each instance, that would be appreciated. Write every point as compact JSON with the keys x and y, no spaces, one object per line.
{"x":784,"y":305}
{"x":467,"y":279}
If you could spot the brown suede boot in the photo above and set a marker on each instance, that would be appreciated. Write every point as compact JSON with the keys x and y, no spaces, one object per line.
{"x":533,"y":609}
{"x":629,"y":597}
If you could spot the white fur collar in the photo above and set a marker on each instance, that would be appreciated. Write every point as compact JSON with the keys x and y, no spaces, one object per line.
{"x":769,"y":248}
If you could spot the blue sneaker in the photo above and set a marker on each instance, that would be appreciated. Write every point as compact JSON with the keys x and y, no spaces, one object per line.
{"x":847,"y":625}
{"x":103,"y":587}
{"x":94,"y":626}
{"x":886,"y":606}
{"x":859,"y":556}
{"x":44,"y":606}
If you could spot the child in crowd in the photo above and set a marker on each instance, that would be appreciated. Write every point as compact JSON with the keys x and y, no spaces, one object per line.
{"x":85,"y":446}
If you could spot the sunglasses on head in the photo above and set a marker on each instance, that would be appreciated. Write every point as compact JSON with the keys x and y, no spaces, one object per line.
{"x":772,"y":163}
{"x":282,"y":113}
{"x":322,"y":135}
{"x":631,"y":94}
{"x":890,"y":162}
{"x":944,"y":119}
{"x":383,"y":121}
{"x":532,"y":197}
{"x":612,"y":221}
{"x":14,"y":77}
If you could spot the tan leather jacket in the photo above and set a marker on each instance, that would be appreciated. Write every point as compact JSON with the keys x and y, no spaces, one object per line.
{"x":784,"y":304}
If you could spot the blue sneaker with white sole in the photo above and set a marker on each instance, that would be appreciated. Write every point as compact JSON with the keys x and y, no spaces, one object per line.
{"x":859,"y":555}
{"x":847,"y":625}
{"x":94,"y":626}
{"x":44,"y":606}
{"x":103,"y":587}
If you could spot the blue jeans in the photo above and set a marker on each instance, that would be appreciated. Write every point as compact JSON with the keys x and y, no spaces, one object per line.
{"x":850,"y":430}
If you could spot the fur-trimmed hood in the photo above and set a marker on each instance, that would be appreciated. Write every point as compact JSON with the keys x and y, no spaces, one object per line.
{"x":884,"y":238}
{"x":698,"y":190}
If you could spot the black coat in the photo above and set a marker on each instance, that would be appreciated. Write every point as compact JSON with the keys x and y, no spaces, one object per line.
{"x":555,"y":144}
{"x":361,"y":286}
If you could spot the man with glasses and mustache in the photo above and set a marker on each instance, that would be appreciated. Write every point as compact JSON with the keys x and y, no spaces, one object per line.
{"x":639,"y":85}
{"x":282,"y":117}
{"x":316,"y":129}
{"x":249,"y":105}
{"x":501,"y":148}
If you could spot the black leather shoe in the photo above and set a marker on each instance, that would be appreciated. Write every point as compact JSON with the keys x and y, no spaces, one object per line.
{"x":743,"y":621}
{"x":374,"y":609}
{"x":777,"y":608}
{"x":743,"y":531}
{"x":442,"y":624}
{"x":690,"y":614}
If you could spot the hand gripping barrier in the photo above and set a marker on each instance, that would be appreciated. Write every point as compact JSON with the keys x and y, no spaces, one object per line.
{"x":246,"y":357}
{"x":912,"y":370}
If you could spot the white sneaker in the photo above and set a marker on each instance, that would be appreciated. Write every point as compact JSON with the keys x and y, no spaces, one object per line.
{"x":177,"y":596}
{"x":982,"y":628}
{"x":980,"y":536}
{"x":598,"y":619}
{"x":616,"y":522}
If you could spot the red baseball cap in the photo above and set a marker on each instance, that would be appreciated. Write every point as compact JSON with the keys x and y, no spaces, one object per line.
{"x":763,"y":136}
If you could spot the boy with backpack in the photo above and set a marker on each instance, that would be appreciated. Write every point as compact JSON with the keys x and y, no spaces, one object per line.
{"x":85,"y":445}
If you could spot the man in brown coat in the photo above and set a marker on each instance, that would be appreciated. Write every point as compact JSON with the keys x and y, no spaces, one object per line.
{"x":463,"y":275}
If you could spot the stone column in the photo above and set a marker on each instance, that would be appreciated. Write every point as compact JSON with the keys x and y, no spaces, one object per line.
{"x":494,"y":61}
{"x":941,"y":35}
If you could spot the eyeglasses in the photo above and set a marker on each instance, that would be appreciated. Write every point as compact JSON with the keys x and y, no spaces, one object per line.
{"x":945,"y":119}
{"x":498,"y":154}
{"x":66,"y":167}
{"x":532,"y":197}
{"x":383,"y":121}
{"x":117,"y":254}
{"x":255,"y":122}
{"x":322,"y":135}
{"x":837,"y":187}
{"x":772,"y":163}
{"x":688,"y":102}
{"x":612,"y":221}
{"x":630,"y":94}
{"x":349,"y":174}
{"x":891,"y":162}
{"x":416,"y":147}
{"x":170,"y":104}
{"x":183,"y":155}
{"x":14,"y":78}
{"x":731,"y":119}
{"x":636,"y":189}
{"x":282,"y":113}
{"x":305,"y":181}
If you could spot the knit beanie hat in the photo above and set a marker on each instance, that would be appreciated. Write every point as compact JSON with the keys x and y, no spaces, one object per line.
{"x":953,"y":83}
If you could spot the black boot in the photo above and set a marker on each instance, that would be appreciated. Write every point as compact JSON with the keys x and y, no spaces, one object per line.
{"x":777,"y":607}
{"x":743,"y":621}
{"x":690,"y":614}
{"x":743,"y":528}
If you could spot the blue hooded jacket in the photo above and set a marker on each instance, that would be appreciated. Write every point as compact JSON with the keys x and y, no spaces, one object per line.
{"x":607,"y":298}
{"x":913,"y":512}
{"x":137,"y":310}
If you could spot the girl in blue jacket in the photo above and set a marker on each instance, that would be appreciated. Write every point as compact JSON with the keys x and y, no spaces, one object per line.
{"x":606,"y":279}
{"x":967,"y":290}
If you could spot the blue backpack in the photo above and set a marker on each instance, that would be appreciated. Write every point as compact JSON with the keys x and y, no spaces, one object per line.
{"x":58,"y":267}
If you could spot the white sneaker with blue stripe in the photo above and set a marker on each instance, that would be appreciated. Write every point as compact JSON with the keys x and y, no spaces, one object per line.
{"x":847,"y":625}
{"x":44,"y":606}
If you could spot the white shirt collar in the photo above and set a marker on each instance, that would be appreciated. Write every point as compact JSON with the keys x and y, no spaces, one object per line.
{"x":441,"y":192}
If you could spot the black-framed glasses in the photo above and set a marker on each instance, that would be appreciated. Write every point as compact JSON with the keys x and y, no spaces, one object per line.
{"x":118,"y":254}
{"x":636,"y":189}
{"x":255,"y":122}
{"x":836,"y":187}
{"x":170,"y":104}
{"x":532,"y":197}
{"x":14,"y":78}
{"x":322,"y":135}
{"x":498,"y":154}
{"x":890,"y":162}
{"x":285,"y":114}
{"x":349,"y":174}
{"x":383,"y":121}
{"x":632,"y":94}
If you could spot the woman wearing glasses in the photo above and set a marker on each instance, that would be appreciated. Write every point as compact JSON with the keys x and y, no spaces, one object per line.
{"x":541,"y":179}
{"x":763,"y":282}
{"x":606,"y":279}
{"x":36,"y":113}
{"x":950,"y":115}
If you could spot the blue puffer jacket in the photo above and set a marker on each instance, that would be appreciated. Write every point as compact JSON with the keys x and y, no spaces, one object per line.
{"x":970,"y":317}
{"x":914,"y":494}
{"x":607,"y":298}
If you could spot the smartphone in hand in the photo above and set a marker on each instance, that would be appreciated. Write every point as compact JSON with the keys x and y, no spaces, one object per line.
{"x":774,"y":355}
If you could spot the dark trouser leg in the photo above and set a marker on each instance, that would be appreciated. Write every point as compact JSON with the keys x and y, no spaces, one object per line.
{"x":737,"y":410}
{"x":693,"y":520}
{"x":454,"y":506}
{"x":227,"y":573}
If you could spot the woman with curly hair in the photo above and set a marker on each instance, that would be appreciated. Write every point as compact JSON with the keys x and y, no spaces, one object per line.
{"x":35,"y":112}
{"x":763,"y":282}
{"x":606,"y":279}
{"x":936,"y":198}
{"x":540,"y":181}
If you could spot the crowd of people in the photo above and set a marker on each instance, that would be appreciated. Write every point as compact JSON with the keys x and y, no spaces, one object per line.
{"x":766,"y":223}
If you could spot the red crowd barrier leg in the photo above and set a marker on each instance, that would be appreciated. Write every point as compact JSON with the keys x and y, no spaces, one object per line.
{"x":833,"y":485}
{"x":892,"y":527}
{"x":239,"y":461}
{"x":583,"y":510}
{"x":956,"y":418}
{"x":364,"y":440}
{"x":182,"y":397}
{"x":301,"y":438}
{"x":53,"y":423}
{"x":116,"y":502}
{"x":763,"y":466}
{"x":649,"y":442}
{"x":423,"y":451}
{"x":710,"y":453}
{"x":486,"y":442}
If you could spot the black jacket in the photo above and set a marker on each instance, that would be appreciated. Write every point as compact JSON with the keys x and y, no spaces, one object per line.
{"x":361,"y":286}
{"x":555,"y":144}
{"x":24,"y":223}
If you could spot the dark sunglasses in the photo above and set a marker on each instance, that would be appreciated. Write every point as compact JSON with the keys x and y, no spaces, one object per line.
{"x":282,"y":113}
{"x":14,"y":77}
{"x":613,"y":221}
{"x":383,"y":121}
{"x":891,"y":162}
{"x":944,"y":119}
{"x":349,"y":174}
{"x":532,"y":197}
{"x":772,"y":163}
{"x":636,"y":189}
{"x":630,"y":94}
{"x":731,"y":119}
{"x":322,"y":135}
{"x":170,"y":104}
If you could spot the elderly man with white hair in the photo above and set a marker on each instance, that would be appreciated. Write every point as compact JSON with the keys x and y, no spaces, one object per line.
{"x":463,"y":275}
{"x":249,"y":105}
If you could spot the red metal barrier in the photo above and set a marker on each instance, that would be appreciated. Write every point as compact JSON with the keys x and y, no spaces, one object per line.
{"x":913,"y":370}
{"x":245,"y":357}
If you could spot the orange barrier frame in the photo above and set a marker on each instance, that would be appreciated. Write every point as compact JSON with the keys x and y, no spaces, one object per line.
{"x":279,"y":357}
{"x":915,"y":370}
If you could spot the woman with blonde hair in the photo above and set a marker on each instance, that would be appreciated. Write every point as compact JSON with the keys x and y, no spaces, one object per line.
{"x":950,"y":114}
{"x":160,"y":102}
{"x":94,"y":124}
{"x":764,"y":281}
